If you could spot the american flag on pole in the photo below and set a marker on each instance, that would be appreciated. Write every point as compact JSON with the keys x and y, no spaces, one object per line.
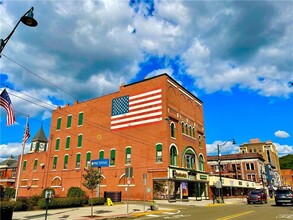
{"x":26,"y":134}
{"x":143,"y":108}
{"x":5,"y":102}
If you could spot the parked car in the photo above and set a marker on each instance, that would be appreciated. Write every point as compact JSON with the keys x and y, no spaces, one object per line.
{"x":257,"y":196}
{"x":283,"y":196}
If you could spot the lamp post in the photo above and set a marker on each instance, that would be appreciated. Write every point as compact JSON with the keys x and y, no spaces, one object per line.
{"x":27,"y":19}
{"x":219,"y":146}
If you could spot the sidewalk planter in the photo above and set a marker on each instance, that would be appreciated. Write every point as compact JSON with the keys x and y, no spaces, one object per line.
{"x":7,"y":208}
{"x":154,"y":206}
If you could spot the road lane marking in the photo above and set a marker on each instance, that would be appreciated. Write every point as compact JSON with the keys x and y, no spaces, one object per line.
{"x":235,"y":215}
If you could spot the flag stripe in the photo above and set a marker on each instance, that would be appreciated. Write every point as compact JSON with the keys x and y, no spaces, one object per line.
{"x":135,"y":110}
{"x":26,"y":134}
{"x":5,"y":102}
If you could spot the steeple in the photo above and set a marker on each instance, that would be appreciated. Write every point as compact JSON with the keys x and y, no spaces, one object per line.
{"x":39,"y":142}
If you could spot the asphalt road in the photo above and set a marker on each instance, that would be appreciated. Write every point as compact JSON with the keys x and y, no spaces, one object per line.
{"x":224,"y":212}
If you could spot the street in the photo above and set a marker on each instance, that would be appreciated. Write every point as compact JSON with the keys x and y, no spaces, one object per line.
{"x":225,"y":212}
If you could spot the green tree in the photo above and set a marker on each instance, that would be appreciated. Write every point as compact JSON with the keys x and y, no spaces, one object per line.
{"x":92,"y":178}
{"x":75,"y":192}
{"x":9,"y":192}
{"x":286,"y":162}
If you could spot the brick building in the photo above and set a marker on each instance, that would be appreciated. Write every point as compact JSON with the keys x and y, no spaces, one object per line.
{"x":270,"y":154}
{"x":287,"y":178}
{"x":154,"y":126}
{"x":240,"y":172}
{"x":7,"y":172}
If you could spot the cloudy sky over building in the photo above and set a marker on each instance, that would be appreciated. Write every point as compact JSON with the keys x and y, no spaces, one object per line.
{"x":236,"y":56}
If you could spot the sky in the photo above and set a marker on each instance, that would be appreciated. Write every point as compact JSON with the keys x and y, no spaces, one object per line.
{"x":235,"y":56}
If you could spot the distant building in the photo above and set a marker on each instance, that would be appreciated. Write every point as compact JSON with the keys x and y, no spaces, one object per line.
{"x":7,"y":172}
{"x":240,"y":173}
{"x":151,"y":132}
{"x":287,"y":178}
{"x":269,"y":152}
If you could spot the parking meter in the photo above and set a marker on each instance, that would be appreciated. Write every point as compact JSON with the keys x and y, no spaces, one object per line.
{"x":48,"y":195}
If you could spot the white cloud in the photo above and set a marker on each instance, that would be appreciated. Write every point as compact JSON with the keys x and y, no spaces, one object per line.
{"x":13,"y":149}
{"x":283,"y":149}
{"x":282,"y":134}
{"x":228,"y":148}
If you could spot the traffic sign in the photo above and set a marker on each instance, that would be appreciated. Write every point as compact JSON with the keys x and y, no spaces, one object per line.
{"x":100,"y":163}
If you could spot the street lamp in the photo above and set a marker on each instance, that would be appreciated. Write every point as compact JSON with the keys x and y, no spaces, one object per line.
{"x":27,"y":19}
{"x":219,"y":164}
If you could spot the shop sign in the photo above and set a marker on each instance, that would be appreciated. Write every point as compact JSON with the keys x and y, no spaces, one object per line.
{"x":180,"y":174}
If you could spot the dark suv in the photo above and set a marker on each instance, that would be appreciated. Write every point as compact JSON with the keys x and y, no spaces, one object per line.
{"x":257,"y":196}
{"x":283,"y":196}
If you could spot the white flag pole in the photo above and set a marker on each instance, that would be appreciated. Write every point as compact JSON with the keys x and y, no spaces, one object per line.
{"x":20,"y":162}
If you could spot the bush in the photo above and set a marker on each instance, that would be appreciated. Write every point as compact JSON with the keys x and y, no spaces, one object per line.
{"x":97,"y":201}
{"x":21,"y":204}
{"x":9,"y":192}
{"x":60,"y":203}
{"x":75,"y":192}
{"x":7,"y":205}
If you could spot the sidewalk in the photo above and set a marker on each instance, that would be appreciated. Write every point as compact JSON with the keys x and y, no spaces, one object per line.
{"x":134,"y":208}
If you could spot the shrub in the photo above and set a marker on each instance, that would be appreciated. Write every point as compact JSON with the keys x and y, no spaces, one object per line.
{"x":32,"y":201}
{"x":9,"y":192}
{"x":75,"y":192}
{"x":7,"y":205}
{"x":60,"y":203}
{"x":97,"y":201}
{"x":21,"y":204}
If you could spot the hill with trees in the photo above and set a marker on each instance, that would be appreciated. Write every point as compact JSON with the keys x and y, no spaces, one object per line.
{"x":286,"y":162}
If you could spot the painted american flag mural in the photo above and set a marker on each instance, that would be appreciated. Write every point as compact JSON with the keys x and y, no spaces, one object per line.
{"x":143,"y":108}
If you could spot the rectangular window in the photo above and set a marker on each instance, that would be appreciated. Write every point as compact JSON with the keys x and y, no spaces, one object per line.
{"x":128,"y":156}
{"x":59,"y":123}
{"x":69,"y":119}
{"x":35,"y":182}
{"x":112,"y":157}
{"x":252,"y":166}
{"x":24,"y":165}
{"x":23,"y":183}
{"x":35,"y":165}
{"x":159,"y":153}
{"x":57,"y":144}
{"x":247,"y":166}
{"x":80,"y":118}
{"x":55,"y":163}
{"x":77,"y":163}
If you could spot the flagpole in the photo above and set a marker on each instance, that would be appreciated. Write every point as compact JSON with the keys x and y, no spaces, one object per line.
{"x":20,"y":162}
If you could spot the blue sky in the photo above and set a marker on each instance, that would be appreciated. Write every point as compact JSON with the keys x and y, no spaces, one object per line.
{"x":236,"y":56}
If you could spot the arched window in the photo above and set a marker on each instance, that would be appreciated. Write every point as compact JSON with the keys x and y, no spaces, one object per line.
{"x":101,"y":156}
{"x":35,"y":164}
{"x":159,"y":156}
{"x":88,"y":158}
{"x":79,"y":140}
{"x":55,"y":163}
{"x":112,"y":157}
{"x":182,"y":127}
{"x":189,"y":159}
{"x":65,"y":165}
{"x":186,"y":129}
{"x":173,"y":156}
{"x":67,"y":143}
{"x":201,"y":163}
{"x":172,"y":130}
{"x":128,"y":155}
{"x":56,"y":181}
{"x":190,"y":131}
{"x":77,"y":161}
{"x":57,"y":144}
